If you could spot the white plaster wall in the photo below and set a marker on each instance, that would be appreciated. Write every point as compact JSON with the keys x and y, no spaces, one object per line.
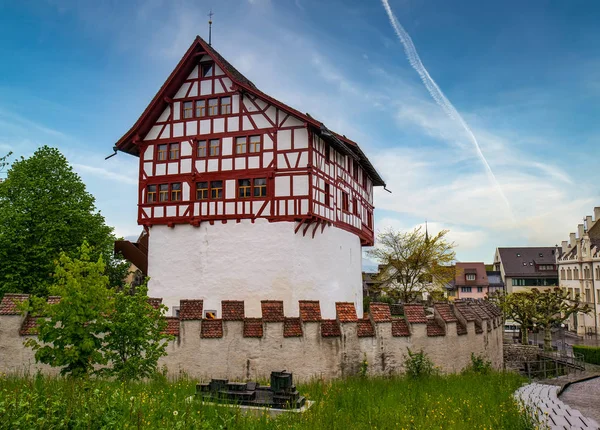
{"x":254,"y":262}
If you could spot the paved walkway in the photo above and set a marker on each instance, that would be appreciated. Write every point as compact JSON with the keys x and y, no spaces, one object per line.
{"x":584,"y":396}
{"x":543,"y":403}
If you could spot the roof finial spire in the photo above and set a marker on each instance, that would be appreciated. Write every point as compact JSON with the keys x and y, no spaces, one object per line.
{"x":210,"y":15}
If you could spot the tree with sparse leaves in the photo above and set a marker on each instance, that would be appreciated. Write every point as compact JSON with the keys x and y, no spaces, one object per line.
{"x":4,"y":163}
{"x":136,"y":337}
{"x":71,"y":331}
{"x":411,"y":263}
{"x":519,"y":307}
{"x":45,"y":210}
{"x":552,"y":307}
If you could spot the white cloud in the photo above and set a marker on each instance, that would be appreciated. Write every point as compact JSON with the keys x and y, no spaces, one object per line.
{"x":106,"y":174}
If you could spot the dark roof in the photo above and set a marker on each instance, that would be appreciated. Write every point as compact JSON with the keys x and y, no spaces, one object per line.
{"x":524,"y":261}
{"x":127,"y":142}
{"x":477,"y":268}
{"x":494,"y":278}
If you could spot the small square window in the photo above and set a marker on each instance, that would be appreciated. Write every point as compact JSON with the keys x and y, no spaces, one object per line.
{"x":188,"y":109}
{"x":327,"y":196}
{"x":213,"y":107}
{"x":207,"y":70}
{"x":215,"y":147}
{"x":174,"y":151}
{"x":201,"y":190}
{"x":151,"y":194}
{"x":163,"y":192}
{"x":260,"y":187}
{"x":201,"y":148}
{"x":254,"y":145}
{"x":225,"y":105}
{"x":162,"y":152}
{"x":244,"y":188}
{"x":176,"y":192}
{"x":216,"y":189}
{"x":200,"y":108}
{"x":240,"y":145}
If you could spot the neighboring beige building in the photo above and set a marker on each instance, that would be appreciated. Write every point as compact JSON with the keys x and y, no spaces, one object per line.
{"x":524,"y":268}
{"x":579,"y":271}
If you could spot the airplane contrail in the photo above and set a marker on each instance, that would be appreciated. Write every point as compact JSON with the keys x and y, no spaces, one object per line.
{"x":438,"y":95}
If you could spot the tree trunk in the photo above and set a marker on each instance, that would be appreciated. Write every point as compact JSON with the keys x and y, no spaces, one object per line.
{"x":524,"y":335}
{"x":547,"y":338}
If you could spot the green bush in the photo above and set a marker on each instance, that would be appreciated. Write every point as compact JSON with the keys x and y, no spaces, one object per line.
{"x":418,"y":364}
{"x":479,"y":364}
{"x":591,"y":354}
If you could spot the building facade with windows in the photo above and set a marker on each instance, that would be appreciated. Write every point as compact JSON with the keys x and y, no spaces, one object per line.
{"x":579,"y":272}
{"x":527,"y":267}
{"x":470,"y":281}
{"x":246,"y":198}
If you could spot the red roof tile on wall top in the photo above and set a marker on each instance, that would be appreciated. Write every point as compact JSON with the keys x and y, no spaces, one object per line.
{"x":434,"y":329}
{"x":272,"y":310}
{"x":232,"y":310}
{"x":478,"y":310}
{"x":253,"y":327}
{"x":445,"y":311}
{"x":54,"y":300}
{"x":190,"y":309}
{"x":155,"y":302}
{"x":330,"y":328}
{"x":292,"y":327}
{"x":415,"y":313}
{"x":172,"y":326}
{"x":10,"y":302}
{"x":345,"y":312}
{"x":465,"y":311}
{"x":211,"y":329}
{"x":365,"y":328}
{"x":29,"y":326}
{"x":380,"y":312}
{"x":310,"y":310}
{"x":400,"y":328}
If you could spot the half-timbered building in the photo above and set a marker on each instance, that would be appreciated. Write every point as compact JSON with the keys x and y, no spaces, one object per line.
{"x":244,"y":197}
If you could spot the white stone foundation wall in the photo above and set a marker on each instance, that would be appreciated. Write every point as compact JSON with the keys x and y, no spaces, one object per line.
{"x":253,"y":261}
{"x":240,"y":348}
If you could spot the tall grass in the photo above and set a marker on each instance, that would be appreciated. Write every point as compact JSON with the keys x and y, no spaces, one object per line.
{"x":468,"y":401}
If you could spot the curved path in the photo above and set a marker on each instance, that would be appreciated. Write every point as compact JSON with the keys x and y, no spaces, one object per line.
{"x":543,"y":402}
{"x":584,"y":396}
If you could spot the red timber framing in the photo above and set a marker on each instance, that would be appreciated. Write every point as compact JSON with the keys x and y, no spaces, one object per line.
{"x":209,"y":127}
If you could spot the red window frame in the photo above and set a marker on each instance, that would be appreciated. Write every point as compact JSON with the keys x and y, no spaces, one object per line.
{"x":251,"y":189}
{"x":168,"y":192}
{"x":345,"y":201}
{"x":327,"y":196}
{"x":168,"y":153}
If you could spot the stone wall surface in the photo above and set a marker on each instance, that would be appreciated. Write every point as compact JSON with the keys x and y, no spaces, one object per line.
{"x":238,"y":347}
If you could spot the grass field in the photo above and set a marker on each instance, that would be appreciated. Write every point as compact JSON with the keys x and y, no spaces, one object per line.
{"x":467,"y":401}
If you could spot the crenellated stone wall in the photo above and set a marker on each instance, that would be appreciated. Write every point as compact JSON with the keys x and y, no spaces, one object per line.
{"x":237,"y":347}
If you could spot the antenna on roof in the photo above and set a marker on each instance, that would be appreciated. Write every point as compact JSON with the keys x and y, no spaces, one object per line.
{"x":210,"y":15}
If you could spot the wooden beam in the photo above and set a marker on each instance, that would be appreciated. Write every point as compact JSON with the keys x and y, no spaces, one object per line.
{"x":306,"y":228}
{"x":316,"y":227}
{"x":299,"y":225}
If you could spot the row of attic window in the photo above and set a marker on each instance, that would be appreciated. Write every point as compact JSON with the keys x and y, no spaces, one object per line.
{"x":206,"y":190}
{"x":207,"y":107}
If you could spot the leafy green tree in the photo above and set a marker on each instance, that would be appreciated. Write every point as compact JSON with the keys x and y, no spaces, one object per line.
{"x":552,"y":307}
{"x":136,"y":337}
{"x":71,"y":332}
{"x":413,"y":263}
{"x":4,"y":163}
{"x":45,"y":209}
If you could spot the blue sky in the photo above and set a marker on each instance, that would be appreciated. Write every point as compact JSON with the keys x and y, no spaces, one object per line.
{"x":523,"y":75}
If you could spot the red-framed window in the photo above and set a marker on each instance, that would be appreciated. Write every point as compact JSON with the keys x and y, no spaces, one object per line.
{"x":248,"y":188}
{"x":201,"y":190}
{"x":364,"y":179}
{"x":206,"y":107}
{"x":225,"y":105}
{"x":327,"y":151}
{"x":216,"y":190}
{"x":355,"y":206}
{"x":248,"y":144}
{"x":345,"y":201}
{"x":214,"y":147}
{"x":355,"y":170}
{"x":167,"y":151}
{"x":208,"y":148}
{"x":163,"y":193}
{"x":370,"y":219}
{"x":327,"y":196}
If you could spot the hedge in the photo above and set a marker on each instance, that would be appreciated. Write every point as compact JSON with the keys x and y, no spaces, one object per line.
{"x":591,"y":354}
